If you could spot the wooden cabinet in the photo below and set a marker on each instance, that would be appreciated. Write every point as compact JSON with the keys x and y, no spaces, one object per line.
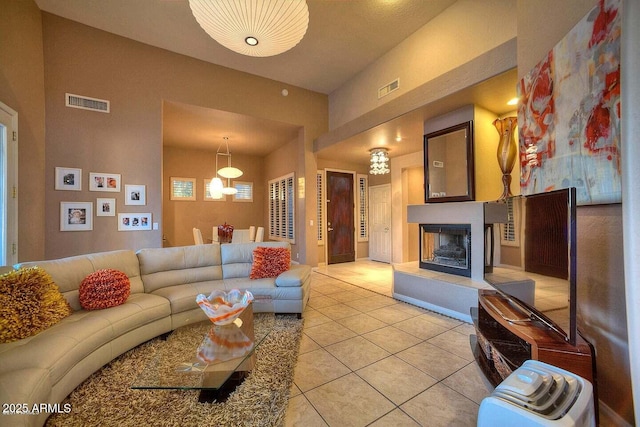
{"x":506,"y":337}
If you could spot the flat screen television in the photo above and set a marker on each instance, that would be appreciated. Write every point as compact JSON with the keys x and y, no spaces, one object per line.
{"x":531,"y":258}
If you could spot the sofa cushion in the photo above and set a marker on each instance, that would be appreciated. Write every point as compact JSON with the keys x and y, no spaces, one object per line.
{"x":269,"y":262}
{"x":30,"y":302}
{"x":140,"y":309}
{"x":60,"y":348}
{"x":163,"y":267}
{"x":237,"y":258}
{"x":103,"y":289}
{"x":295,"y":276}
{"x":68,"y":273}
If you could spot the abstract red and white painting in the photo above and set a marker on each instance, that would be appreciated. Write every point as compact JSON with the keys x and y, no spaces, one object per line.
{"x":569,"y":112}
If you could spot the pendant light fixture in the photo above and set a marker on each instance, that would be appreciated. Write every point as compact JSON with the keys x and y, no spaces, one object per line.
{"x":379,"y":162}
{"x":253,"y":27}
{"x":217,"y":188}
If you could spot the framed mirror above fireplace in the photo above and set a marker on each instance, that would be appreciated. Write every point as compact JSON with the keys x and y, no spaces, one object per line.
{"x":448,"y":164}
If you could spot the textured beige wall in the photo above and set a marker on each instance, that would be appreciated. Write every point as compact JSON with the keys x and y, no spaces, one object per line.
{"x":137,"y":78}
{"x":22,"y":89}
{"x":461,"y":33}
{"x":601,"y":301}
{"x":180,"y":217}
{"x":282,"y":162}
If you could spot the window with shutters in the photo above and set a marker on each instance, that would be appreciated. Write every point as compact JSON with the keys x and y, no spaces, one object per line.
{"x":282,"y":209}
{"x":509,"y":235}
{"x":183,"y":188}
{"x":320,"y":206}
{"x":363,"y":208}
{"x":245,"y":191}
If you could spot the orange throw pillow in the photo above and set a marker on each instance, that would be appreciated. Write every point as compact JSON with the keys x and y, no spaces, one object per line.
{"x":103,"y":289}
{"x":269,"y":262}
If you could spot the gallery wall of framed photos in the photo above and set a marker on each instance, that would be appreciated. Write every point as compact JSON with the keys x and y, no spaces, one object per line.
{"x":79,"y":215}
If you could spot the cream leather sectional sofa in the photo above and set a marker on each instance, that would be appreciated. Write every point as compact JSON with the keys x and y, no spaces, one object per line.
{"x":46,"y":367}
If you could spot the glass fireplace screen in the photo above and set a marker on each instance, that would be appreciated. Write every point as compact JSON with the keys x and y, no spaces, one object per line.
{"x":446,"y":248}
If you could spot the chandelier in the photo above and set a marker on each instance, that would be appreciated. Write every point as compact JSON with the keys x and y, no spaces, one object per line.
{"x":253,"y":27}
{"x":379,"y":162}
{"x":217,"y":188}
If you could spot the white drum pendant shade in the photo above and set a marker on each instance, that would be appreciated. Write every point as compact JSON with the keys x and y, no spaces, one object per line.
{"x":253,"y":27}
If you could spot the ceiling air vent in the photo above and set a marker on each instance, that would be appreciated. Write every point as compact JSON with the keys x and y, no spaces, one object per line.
{"x":86,"y":103}
{"x":387,"y":89}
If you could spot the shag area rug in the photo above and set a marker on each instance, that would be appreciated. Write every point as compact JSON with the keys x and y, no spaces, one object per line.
{"x":106,"y":399}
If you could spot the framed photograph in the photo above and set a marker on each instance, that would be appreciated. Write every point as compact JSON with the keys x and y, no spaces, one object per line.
{"x":135,"y":195}
{"x":207,"y":195}
{"x":69,"y":179}
{"x":105,"y":207}
{"x":134,"y":221}
{"x":99,"y":181}
{"x":76,"y":216}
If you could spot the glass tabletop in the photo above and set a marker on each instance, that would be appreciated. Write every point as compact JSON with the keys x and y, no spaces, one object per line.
{"x":204,"y":356}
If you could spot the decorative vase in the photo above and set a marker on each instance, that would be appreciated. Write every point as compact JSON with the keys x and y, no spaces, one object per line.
{"x":507,"y":151}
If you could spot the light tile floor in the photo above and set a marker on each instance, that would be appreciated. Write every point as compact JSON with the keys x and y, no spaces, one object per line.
{"x":369,"y":360}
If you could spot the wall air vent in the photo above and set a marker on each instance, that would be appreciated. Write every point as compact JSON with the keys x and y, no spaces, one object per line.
{"x":387,"y":89}
{"x":86,"y":103}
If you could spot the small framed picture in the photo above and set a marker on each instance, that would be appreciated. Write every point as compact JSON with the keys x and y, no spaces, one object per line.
{"x":135,"y":195}
{"x":104,"y":182}
{"x":105,"y":207}
{"x":69,"y":179}
{"x":76,"y":216}
{"x":134,"y":221}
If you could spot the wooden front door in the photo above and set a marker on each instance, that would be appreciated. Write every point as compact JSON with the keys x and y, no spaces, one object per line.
{"x":340,"y":221}
{"x":546,"y":235}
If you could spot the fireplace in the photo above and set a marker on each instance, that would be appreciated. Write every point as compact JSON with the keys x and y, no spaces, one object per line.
{"x":446,"y":248}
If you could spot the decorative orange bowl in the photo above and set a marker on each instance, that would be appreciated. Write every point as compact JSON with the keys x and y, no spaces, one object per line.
{"x":222,"y":308}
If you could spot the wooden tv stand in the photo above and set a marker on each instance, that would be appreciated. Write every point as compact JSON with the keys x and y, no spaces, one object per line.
{"x":507,"y":337}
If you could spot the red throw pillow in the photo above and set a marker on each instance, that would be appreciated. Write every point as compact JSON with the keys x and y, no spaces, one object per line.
{"x":103,"y":289}
{"x":269,"y":262}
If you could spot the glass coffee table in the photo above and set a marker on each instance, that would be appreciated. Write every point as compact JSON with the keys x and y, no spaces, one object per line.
{"x":206,"y":357}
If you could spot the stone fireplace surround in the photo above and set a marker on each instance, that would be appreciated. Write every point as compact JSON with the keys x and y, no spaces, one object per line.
{"x":448,"y":294}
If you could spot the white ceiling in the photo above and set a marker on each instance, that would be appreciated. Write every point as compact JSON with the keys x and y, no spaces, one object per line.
{"x":343,"y":38}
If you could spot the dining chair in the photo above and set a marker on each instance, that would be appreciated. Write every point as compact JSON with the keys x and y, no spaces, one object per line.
{"x":260,"y":234}
{"x":240,"y":236}
{"x":252,"y":233}
{"x":197,"y":236}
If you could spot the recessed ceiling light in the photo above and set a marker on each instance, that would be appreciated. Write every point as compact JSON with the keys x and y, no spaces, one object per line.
{"x":251,"y":41}
{"x":513,"y":101}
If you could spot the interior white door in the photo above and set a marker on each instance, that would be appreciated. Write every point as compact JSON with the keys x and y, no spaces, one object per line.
{"x":380,"y":223}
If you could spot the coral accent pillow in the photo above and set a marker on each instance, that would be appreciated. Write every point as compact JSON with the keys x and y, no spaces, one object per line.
{"x":269,"y":262}
{"x":30,"y":302}
{"x":103,"y":289}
